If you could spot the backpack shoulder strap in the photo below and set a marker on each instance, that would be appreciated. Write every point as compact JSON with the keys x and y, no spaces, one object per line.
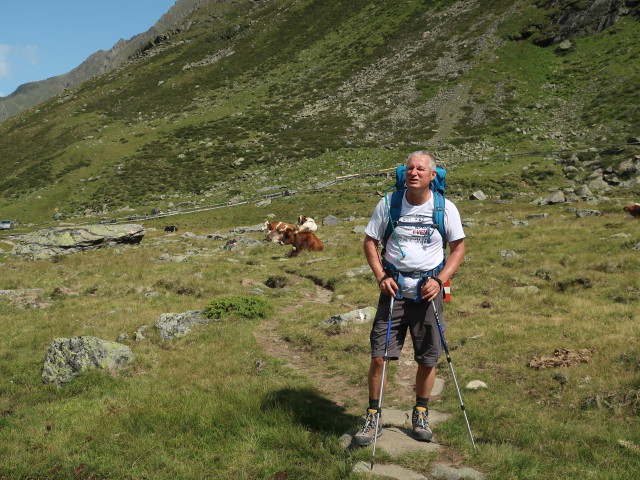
{"x":394,"y":205}
{"x":438,"y":216}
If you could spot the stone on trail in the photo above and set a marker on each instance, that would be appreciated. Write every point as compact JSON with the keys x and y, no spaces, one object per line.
{"x":68,"y":358}
{"x":387,"y":471}
{"x":438,"y":386}
{"x":398,"y":441}
{"x":446,"y":472}
{"x":396,"y":438}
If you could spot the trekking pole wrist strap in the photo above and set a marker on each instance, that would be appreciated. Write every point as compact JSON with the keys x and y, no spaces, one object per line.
{"x":383,"y":279}
{"x":439,"y":281}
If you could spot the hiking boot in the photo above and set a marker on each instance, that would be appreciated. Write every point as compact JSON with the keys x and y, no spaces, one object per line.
{"x":365,"y":435}
{"x":421,"y":430}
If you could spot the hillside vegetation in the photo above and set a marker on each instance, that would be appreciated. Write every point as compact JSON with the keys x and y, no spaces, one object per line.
{"x":252,"y":96}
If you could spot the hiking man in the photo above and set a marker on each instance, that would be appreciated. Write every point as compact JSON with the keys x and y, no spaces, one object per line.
{"x":411,"y":270}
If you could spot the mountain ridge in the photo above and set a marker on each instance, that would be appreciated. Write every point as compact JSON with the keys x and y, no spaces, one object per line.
{"x":33,"y":93}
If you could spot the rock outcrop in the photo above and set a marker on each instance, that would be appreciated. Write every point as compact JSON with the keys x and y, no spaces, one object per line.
{"x":573,"y":19}
{"x":63,"y":240}
{"x":67,"y":358}
{"x":174,"y":325}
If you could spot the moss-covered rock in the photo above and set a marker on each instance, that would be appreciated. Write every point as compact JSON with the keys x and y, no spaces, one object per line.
{"x":68,"y":358}
{"x":174,"y":325}
{"x":63,"y":240}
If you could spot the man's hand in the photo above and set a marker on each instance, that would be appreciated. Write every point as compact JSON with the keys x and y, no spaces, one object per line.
{"x":430,"y":289}
{"x":388,"y":286}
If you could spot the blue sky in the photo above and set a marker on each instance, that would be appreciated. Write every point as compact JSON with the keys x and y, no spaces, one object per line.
{"x":44,"y":38}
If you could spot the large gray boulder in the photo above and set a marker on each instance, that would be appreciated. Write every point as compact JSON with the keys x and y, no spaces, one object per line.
{"x":63,"y":240}
{"x":68,"y":358}
{"x":330,"y":220}
{"x":583,"y":212}
{"x":174,"y":325}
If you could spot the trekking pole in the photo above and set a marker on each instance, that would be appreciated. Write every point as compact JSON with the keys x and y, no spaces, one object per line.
{"x":453,"y":374}
{"x":384,"y":369}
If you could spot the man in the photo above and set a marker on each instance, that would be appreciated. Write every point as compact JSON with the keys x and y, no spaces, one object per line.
{"x":415,"y":253}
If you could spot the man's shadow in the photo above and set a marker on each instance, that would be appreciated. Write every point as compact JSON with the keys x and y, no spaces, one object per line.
{"x":311,"y":410}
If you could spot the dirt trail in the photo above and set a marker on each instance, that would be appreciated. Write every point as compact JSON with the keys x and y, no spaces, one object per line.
{"x":353,"y":398}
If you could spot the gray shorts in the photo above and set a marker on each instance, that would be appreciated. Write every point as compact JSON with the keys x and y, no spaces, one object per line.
{"x":419,"y":319}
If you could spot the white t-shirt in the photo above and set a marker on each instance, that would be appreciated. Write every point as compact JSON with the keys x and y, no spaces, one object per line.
{"x":422,"y":246}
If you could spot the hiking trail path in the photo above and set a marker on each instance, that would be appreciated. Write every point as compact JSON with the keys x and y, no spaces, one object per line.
{"x":396,"y":439}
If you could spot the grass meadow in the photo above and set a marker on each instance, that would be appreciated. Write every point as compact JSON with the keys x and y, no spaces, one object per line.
{"x":215,"y":405}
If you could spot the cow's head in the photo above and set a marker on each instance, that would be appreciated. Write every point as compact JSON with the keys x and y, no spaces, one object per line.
{"x":301,"y":219}
{"x":288,"y":237}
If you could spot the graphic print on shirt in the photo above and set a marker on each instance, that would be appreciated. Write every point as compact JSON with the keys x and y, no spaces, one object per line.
{"x":417,"y":229}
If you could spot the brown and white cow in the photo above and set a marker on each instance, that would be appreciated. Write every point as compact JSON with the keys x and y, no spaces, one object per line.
{"x":307,"y":224}
{"x":301,"y":241}
{"x":275,"y":230}
{"x":633,"y":210}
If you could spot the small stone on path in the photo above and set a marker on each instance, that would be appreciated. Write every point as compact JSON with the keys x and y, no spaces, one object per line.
{"x":446,"y":472}
{"x":398,"y":441}
{"x":387,"y":471}
{"x":475,"y":385}
{"x":438,"y":386}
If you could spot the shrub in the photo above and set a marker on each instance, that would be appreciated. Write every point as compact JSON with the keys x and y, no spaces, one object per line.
{"x":248,"y":307}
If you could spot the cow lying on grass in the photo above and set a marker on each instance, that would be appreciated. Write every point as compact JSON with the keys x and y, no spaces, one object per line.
{"x":306,"y":224}
{"x":301,"y":241}
{"x":633,"y":210}
{"x":274,"y":230}
{"x":170,"y":228}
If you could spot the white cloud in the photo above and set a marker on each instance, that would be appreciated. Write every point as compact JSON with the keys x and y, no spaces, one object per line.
{"x":28,"y":54}
{"x":5,"y":66}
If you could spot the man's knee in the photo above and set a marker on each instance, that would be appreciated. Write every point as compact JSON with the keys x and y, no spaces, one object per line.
{"x":377,"y":363}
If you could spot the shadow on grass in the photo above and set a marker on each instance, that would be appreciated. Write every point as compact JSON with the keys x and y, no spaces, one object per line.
{"x":311,"y":410}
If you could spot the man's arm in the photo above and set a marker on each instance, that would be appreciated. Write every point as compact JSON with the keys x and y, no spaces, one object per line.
{"x":456,"y":255}
{"x":387,"y":286}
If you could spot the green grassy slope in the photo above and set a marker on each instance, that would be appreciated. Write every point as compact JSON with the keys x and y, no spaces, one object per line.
{"x":252,"y":90}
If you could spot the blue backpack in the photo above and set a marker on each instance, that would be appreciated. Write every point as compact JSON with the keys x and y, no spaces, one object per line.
{"x":393,"y":202}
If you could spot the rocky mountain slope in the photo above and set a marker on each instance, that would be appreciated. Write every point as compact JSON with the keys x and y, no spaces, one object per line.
{"x":255,"y":96}
{"x":99,"y":63}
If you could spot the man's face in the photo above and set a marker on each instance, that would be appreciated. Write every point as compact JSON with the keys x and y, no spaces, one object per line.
{"x":419,"y":174}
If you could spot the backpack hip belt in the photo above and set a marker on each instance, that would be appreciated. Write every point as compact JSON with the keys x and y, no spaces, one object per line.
{"x":399,"y":276}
